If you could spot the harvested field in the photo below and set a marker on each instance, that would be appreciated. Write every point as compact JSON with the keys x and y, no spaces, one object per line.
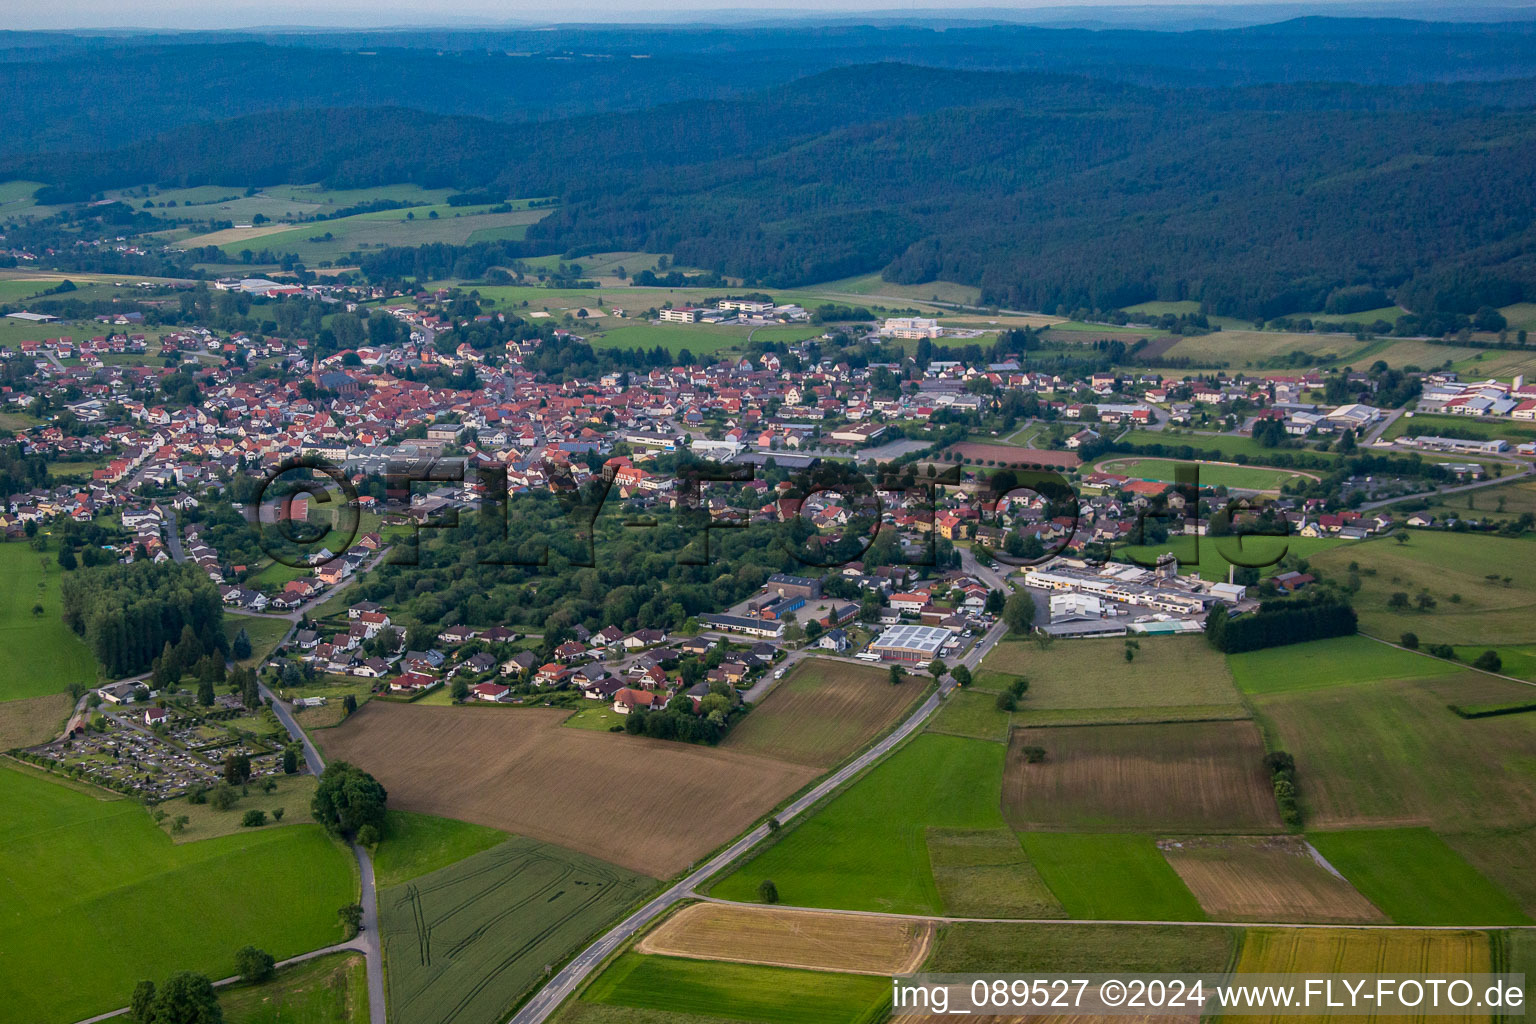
{"x":1353,"y":951}
{"x":652,"y":806}
{"x":465,"y":942}
{"x":986,"y":873}
{"x":824,"y":711}
{"x":1188,"y":776}
{"x":847,"y":943}
{"x":1005,"y":455}
{"x":743,"y":992}
{"x":1266,"y":878}
{"x":33,"y":720}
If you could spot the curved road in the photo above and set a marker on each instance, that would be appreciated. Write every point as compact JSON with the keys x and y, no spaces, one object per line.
{"x":367,"y":940}
{"x":573,"y":974}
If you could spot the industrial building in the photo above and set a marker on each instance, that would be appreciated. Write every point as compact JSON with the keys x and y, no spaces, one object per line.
{"x":912,"y":644}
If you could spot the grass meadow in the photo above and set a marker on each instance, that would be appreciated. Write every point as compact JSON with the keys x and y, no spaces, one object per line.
{"x":104,"y":883}
{"x":326,"y":990}
{"x":1111,"y":877}
{"x":43,"y":655}
{"x":1392,"y":753}
{"x":986,"y":873}
{"x":1463,"y":572}
{"x":418,"y":844}
{"x":866,"y":849}
{"x":749,"y":992}
{"x":1415,"y":878}
{"x":1212,"y":557}
{"x":1087,"y":681}
{"x":1320,"y":664}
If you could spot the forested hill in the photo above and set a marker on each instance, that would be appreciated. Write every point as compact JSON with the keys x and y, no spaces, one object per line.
{"x":83,"y":93}
{"x":1045,"y":190}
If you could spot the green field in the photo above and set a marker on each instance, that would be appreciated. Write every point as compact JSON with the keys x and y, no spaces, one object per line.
{"x":873,"y":284}
{"x":1211,"y":554}
{"x":763,"y":995}
{"x":1111,"y":877}
{"x":985,"y":873}
{"x":418,"y":844}
{"x":1460,"y":426}
{"x":414,"y":226}
{"x":1087,"y":681}
{"x":264,"y":632}
{"x":1392,"y":753}
{"x":700,"y":339}
{"x":972,"y":713}
{"x":1228,"y":445}
{"x":986,"y":948}
{"x":1463,"y":572}
{"x":1212,"y":474}
{"x":865,"y":850}
{"x":1320,"y":664}
{"x":42,"y":654}
{"x":466,"y":941}
{"x":98,"y":879}
{"x":326,"y":990}
{"x":1415,"y":878}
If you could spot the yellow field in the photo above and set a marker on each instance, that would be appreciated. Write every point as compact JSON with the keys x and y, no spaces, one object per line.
{"x":228,"y":235}
{"x":33,"y":720}
{"x":1353,"y":951}
{"x":846,"y":943}
{"x":1265,"y":878}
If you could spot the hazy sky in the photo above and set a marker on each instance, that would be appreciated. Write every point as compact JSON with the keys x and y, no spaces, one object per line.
{"x":189,"y":14}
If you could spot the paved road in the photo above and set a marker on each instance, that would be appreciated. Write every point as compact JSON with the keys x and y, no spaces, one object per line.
{"x":173,"y":537}
{"x":571,"y":977}
{"x":367,"y":941}
{"x":1525,"y":469}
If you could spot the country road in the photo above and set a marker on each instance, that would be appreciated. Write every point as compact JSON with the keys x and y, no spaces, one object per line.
{"x":571,"y":977}
{"x":367,"y":940}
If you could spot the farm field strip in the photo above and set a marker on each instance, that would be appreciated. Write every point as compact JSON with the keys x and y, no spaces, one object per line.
{"x":652,"y":806}
{"x":466,"y":941}
{"x":820,"y":713}
{"x":1266,"y":878}
{"x":1194,"y":777}
{"x":808,"y":940}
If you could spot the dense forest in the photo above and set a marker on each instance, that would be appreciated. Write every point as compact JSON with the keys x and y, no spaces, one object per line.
{"x":129,"y":613}
{"x":1047,"y":191}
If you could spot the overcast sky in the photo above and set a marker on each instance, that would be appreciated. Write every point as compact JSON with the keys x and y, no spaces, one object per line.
{"x":213,"y":14}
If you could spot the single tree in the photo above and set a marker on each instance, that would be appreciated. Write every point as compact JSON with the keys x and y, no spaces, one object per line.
{"x":255,"y":965}
{"x":1411,"y":641}
{"x":961,"y":675}
{"x":1019,"y":612}
{"x":347,"y":799}
{"x":767,"y":891}
{"x":254,"y":818}
{"x":937,"y":668}
{"x":205,"y":693}
{"x":241,"y":648}
{"x":896,"y":675}
{"x":290,"y":759}
{"x":237,"y":769}
{"x":351,"y":918}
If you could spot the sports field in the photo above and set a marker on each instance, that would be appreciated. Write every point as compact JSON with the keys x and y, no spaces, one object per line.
{"x":103,"y":882}
{"x":1114,"y":877}
{"x":1183,"y":776}
{"x":986,"y":873}
{"x":1464,"y":573}
{"x":1337,"y":661}
{"x":1090,"y":681}
{"x":465,"y":942}
{"x":865,"y":850}
{"x":792,"y":938}
{"x":821,"y":712}
{"x":765,"y":995}
{"x":42,"y":654}
{"x":1392,"y":753}
{"x":1212,"y":474}
{"x":1415,"y":878}
{"x":653,"y":806}
{"x":1265,"y":878}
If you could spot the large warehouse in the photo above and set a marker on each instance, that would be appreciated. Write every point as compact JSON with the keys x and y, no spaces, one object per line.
{"x":910,"y":643}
